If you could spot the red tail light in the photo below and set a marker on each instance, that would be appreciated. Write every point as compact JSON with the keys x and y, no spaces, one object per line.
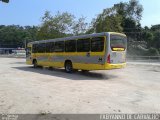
{"x":108,"y":59}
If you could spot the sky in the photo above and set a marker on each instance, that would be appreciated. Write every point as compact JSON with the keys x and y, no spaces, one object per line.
{"x":29,"y":12}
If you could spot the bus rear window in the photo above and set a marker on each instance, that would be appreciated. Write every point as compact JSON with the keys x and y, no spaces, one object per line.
{"x":118,"y":43}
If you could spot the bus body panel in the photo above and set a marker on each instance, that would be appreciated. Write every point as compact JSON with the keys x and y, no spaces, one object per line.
{"x":119,"y":55}
{"x":82,"y":60}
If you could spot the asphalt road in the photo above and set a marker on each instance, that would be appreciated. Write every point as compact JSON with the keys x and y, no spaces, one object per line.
{"x":23,"y":89}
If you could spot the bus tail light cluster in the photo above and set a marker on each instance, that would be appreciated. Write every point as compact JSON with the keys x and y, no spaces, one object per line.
{"x":108,"y":59}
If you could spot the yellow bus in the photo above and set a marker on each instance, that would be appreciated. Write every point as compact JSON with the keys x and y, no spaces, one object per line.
{"x":99,"y":51}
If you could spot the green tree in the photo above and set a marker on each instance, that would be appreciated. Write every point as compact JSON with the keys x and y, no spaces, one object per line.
{"x":156,"y":39}
{"x":155,"y":28}
{"x":80,"y":26}
{"x":55,"y":26}
{"x":148,"y":37}
{"x":108,"y":20}
{"x":122,"y":17}
{"x":15,"y":35}
{"x":60,"y":25}
{"x":153,"y":52}
{"x":131,"y":13}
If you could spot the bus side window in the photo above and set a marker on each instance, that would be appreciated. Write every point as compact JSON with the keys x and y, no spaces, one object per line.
{"x":33,"y":48}
{"x":41,"y":48}
{"x":59,"y":46}
{"x":48,"y":47}
{"x":97,"y":44}
{"x":52,"y":46}
{"x":70,"y":46}
{"x":83,"y":45}
{"x":37,"y":48}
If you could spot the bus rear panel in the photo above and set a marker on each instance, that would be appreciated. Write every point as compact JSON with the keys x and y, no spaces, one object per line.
{"x":116,"y":51}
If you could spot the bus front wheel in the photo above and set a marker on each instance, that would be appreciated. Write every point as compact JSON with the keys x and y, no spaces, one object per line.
{"x":68,"y":66}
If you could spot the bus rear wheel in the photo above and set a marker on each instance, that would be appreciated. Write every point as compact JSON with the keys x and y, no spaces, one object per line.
{"x":35,"y":65}
{"x":68,"y":66}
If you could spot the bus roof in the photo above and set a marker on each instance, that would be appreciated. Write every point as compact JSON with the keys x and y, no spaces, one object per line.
{"x":77,"y":37}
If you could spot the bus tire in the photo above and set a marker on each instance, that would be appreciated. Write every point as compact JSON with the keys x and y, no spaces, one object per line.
{"x":68,"y":66}
{"x":35,"y":65}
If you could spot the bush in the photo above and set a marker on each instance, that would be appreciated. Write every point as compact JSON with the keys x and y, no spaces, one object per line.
{"x":153,"y":52}
{"x":136,"y":50}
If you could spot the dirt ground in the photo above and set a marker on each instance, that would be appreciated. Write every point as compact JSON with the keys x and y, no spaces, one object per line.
{"x":23,"y":89}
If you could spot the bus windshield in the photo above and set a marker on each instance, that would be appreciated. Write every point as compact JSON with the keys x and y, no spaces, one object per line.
{"x":118,"y":43}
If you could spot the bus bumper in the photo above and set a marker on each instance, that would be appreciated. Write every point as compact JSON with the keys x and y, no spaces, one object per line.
{"x":114,"y":66}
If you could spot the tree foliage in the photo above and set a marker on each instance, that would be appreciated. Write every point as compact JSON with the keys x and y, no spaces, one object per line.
{"x":79,"y":27}
{"x":108,"y":20}
{"x":123,"y":17}
{"x":60,"y":25}
{"x":15,"y":35}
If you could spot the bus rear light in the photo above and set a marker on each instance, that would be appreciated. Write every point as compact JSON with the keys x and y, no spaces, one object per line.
{"x":108,"y":59}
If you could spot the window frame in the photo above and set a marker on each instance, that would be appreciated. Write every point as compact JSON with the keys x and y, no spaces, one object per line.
{"x":49,"y":47}
{"x":84,"y":39}
{"x":42,"y":47}
{"x":75,"y":48}
{"x":63,"y":50}
{"x":103,"y":48}
{"x":34,"y":49}
{"x":118,"y":37}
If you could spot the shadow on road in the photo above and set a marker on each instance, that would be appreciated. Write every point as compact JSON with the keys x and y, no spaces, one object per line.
{"x":72,"y":76}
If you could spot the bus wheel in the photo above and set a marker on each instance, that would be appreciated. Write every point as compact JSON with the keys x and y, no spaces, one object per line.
{"x":35,"y":65}
{"x":68,"y":67}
